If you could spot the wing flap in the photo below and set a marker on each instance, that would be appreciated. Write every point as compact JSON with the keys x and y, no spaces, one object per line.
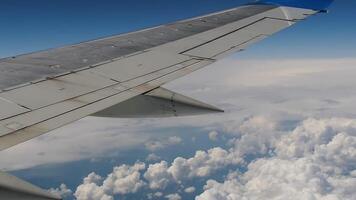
{"x":159,"y":102}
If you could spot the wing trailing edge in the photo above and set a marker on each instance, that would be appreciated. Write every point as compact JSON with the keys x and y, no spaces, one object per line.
{"x":158,"y":103}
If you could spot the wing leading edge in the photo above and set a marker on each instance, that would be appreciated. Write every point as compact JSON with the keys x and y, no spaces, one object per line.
{"x":46,"y":90}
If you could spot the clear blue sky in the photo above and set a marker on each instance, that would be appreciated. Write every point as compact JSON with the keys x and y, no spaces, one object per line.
{"x":40,"y":24}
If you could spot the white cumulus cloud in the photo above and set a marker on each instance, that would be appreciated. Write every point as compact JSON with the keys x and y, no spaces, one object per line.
{"x":123,"y":180}
{"x":158,"y":176}
{"x":62,"y":191}
{"x":315,"y":161}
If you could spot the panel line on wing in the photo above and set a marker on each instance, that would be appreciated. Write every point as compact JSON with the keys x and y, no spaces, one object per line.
{"x":29,"y":110}
{"x":233,"y":31}
{"x":15,"y":126}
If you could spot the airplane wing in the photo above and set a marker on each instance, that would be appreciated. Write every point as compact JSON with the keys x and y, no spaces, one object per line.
{"x":45,"y":90}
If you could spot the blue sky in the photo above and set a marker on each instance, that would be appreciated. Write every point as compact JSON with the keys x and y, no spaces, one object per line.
{"x":39,"y":24}
{"x":309,"y":85}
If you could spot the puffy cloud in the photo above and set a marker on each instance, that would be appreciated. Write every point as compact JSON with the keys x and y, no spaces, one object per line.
{"x":313,"y":133}
{"x":174,"y":196}
{"x":229,"y":190}
{"x":158,"y":176}
{"x":339,"y":153}
{"x":91,"y":191}
{"x":315,"y":161}
{"x":282,"y":179}
{"x":329,"y":142}
{"x":202,"y":164}
{"x":255,"y":136}
{"x":62,"y":191}
{"x":127,"y":179}
{"x":189,"y":189}
{"x":92,"y":178}
{"x":123,"y":180}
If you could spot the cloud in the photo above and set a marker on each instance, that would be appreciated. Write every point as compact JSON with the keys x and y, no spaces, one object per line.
{"x":281,"y":179}
{"x":92,"y":178}
{"x":127,"y":179}
{"x":202,"y":164}
{"x":62,"y":191}
{"x":189,"y":190}
{"x":158,"y":175}
{"x":91,"y":191}
{"x":213,"y":136}
{"x":174,"y":196}
{"x":124,"y":179}
{"x":152,"y":157}
{"x":255,"y":137}
{"x":88,"y":138}
{"x":315,"y":161}
{"x":155,"y":145}
{"x":232,"y":72}
{"x":154,"y":195}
